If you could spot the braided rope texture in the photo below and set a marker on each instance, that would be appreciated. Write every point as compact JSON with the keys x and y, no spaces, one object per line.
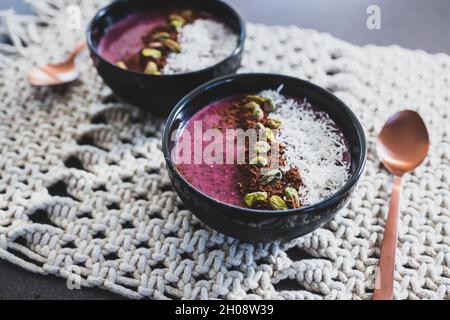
{"x":83,"y":185}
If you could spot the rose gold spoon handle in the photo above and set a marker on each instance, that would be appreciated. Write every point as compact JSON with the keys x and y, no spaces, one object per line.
{"x":76,"y":51}
{"x":384,"y":287}
{"x":402,"y":146}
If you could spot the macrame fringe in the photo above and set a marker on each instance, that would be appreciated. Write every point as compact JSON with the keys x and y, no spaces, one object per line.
{"x":22,"y":30}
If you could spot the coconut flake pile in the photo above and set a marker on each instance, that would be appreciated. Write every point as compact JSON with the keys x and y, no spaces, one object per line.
{"x":313,"y":145}
{"x":203,"y":43}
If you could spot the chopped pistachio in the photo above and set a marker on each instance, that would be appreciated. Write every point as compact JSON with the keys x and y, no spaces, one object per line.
{"x":271,"y":176}
{"x":172,"y":45}
{"x":177,"y":24}
{"x":161,"y":35}
{"x":152,"y":68}
{"x":269,"y":105}
{"x":266,"y":102}
{"x":121,"y":64}
{"x":258,"y":113}
{"x":250,"y":198}
{"x":259,"y":161}
{"x":175,"y":16}
{"x":269,"y":134}
{"x":177,"y":21}
{"x":262,"y":147}
{"x":257,"y":99}
{"x":277,"y":203}
{"x":251,"y":105}
{"x":260,"y":126}
{"x":292,"y":194}
{"x":151,"y":53}
{"x":274,"y":123}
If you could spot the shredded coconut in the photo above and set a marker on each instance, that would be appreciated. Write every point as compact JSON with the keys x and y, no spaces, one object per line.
{"x":313,"y":145}
{"x":203,"y":43}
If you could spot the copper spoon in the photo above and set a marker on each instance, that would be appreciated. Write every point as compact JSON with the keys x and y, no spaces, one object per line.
{"x":56,"y":74}
{"x":402,"y":146}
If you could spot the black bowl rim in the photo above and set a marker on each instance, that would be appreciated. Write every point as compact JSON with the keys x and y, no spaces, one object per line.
{"x":104,"y":10}
{"x":335,"y":197}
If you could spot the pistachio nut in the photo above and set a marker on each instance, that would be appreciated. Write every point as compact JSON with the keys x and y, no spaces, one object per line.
{"x":175,"y":16}
{"x":277,"y":203}
{"x":250,"y":198}
{"x":266,"y":102}
{"x":259,"y":161}
{"x":261,"y":147}
{"x":260,"y":126}
{"x":177,"y":21}
{"x":292,"y":194}
{"x":172,"y":45}
{"x":152,"y":68}
{"x":269,"y":105}
{"x":270,"y":136}
{"x":121,"y":64}
{"x":258,"y":114}
{"x":271,"y":176}
{"x":274,"y":123}
{"x":151,"y":53}
{"x":161,"y":35}
{"x":257,"y":99}
{"x":252,"y":105}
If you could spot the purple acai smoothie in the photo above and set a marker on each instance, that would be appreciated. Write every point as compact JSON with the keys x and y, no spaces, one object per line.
{"x":216,"y":180}
{"x":125,"y":37}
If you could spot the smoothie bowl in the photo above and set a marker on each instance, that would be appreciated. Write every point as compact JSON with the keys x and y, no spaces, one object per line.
{"x":263,"y":157}
{"x":152,"y":53}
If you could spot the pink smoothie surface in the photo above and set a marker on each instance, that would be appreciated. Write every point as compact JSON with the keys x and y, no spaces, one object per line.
{"x":216,"y":180}
{"x":125,"y":37}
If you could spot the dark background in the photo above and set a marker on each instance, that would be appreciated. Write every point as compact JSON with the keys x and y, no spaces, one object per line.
{"x":414,"y":24}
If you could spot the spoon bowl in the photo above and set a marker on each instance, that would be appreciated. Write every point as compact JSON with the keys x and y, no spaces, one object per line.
{"x":57,"y":74}
{"x":403,"y":142}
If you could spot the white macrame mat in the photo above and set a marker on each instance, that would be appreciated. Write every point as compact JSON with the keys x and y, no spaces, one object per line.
{"x":91,"y":171}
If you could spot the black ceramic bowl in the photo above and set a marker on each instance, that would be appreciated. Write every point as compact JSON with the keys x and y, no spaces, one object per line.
{"x":263,"y":225}
{"x":159,"y":94}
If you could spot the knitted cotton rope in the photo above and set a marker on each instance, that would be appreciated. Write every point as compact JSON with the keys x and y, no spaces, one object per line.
{"x":83,"y":188}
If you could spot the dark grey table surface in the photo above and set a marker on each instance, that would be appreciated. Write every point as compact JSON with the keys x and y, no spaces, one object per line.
{"x":414,"y":24}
